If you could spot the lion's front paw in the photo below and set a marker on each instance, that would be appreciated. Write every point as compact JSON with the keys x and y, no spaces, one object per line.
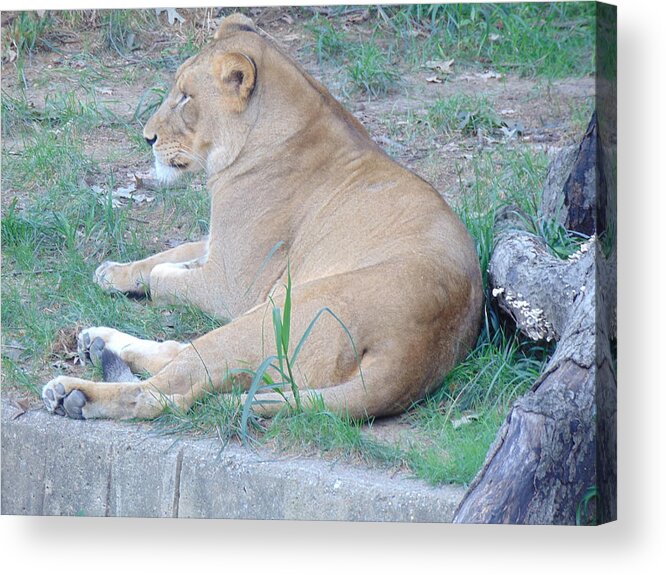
{"x":115,"y":277}
{"x":57,"y":400}
{"x":104,"y":275}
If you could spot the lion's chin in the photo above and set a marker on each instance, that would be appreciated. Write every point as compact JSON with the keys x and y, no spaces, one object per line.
{"x":166,"y":174}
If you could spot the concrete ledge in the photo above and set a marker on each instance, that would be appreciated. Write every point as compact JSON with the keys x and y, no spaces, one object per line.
{"x":57,"y":466}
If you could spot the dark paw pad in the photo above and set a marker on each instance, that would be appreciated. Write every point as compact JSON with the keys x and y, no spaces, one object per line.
{"x":90,"y":350}
{"x":95,"y":350}
{"x":73,"y":404}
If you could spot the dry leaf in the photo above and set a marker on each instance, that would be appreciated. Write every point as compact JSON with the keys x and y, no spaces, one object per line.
{"x":442,"y":66}
{"x":142,"y":198}
{"x":146,"y":182}
{"x":490,"y":75}
{"x":464,"y":420}
{"x":62,"y":365}
{"x":124,"y":193}
{"x":12,"y":350}
{"x":121,"y":195}
{"x":434,"y":79}
{"x":22,"y":405}
{"x":290,"y":37}
{"x":511,"y":128}
{"x":10,"y":55}
{"x":172,"y":15}
{"x":357,"y":18}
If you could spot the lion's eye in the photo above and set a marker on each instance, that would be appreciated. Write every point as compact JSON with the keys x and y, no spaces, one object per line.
{"x":184,"y":99}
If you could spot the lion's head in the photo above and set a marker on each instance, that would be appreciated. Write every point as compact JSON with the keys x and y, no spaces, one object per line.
{"x":240,"y":94}
{"x":204,"y":120}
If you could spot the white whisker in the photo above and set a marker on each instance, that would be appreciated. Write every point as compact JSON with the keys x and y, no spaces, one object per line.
{"x":188,"y":153}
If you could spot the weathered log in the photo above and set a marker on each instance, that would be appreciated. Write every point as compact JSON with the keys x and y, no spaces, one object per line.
{"x":543,"y":459}
{"x":557,"y":446}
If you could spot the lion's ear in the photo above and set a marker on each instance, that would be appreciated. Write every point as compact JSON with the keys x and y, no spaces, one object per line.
{"x":237,"y":74}
{"x":234,"y":23}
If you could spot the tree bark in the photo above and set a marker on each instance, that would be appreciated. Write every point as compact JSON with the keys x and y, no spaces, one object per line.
{"x":553,"y":460}
{"x":575,"y":176}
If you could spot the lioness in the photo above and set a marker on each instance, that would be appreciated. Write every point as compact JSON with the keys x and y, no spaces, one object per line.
{"x":296,"y":184}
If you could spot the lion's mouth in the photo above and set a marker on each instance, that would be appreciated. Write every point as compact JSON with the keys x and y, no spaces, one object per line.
{"x":166,"y":173}
{"x":179,"y":165}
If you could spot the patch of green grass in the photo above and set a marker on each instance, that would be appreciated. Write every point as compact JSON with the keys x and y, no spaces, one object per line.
{"x":51,"y":160}
{"x":370,"y":70}
{"x":214,"y":413}
{"x":122,"y":28}
{"x":55,"y":232}
{"x":499,"y":369}
{"x":330,"y":43}
{"x":186,"y":205}
{"x":497,"y":178}
{"x":316,"y":428}
{"x":509,"y":177}
{"x":464,"y":113}
{"x":16,"y":113}
{"x":460,"y":420}
{"x":451,"y":454}
{"x":25,"y":33}
{"x":60,"y":109}
{"x":13,"y":372}
{"x":533,"y":39}
{"x":17,"y":231}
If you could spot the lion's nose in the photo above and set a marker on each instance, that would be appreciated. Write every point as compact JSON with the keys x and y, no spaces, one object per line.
{"x":152,"y":140}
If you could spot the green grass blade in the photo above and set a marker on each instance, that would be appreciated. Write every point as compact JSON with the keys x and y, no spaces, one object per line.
{"x":277,"y":328}
{"x":286,"y":315}
{"x":254,"y":386}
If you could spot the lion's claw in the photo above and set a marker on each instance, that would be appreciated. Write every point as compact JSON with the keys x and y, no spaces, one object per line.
{"x":101,"y":277}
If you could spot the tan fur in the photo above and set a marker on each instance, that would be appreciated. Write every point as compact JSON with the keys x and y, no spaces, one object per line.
{"x":287,"y":166}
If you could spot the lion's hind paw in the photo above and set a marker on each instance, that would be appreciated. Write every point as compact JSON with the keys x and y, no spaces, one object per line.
{"x":58,"y":401}
{"x":90,"y":348}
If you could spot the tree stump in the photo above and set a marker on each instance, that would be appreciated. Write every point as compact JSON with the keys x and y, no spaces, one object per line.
{"x":553,"y":460}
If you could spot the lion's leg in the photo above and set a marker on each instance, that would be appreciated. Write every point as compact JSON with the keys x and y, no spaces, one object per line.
{"x":216,"y":360}
{"x":82,"y":399}
{"x":180,"y":382}
{"x":178,"y":284}
{"x":134,"y":277}
{"x":206,"y":363}
{"x":355,"y":398}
